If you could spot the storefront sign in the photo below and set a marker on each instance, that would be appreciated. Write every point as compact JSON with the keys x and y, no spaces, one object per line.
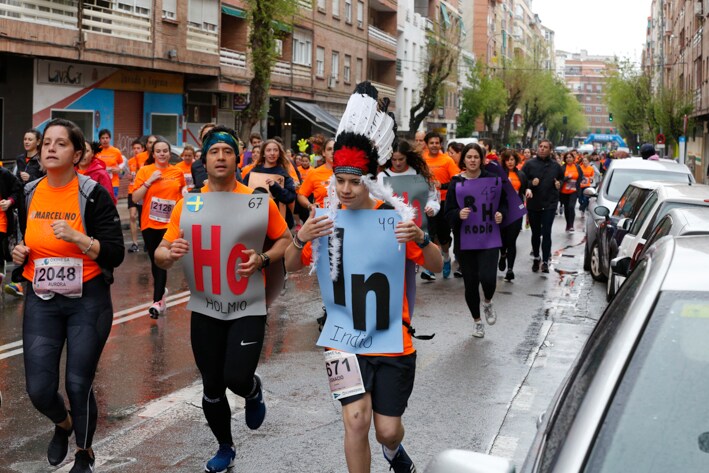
{"x":62,"y":73}
{"x":141,"y":81}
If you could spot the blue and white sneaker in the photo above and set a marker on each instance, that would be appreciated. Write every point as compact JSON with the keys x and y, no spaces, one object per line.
{"x":446,"y":269}
{"x":223,"y":460}
{"x":401,"y":463}
{"x":427,"y":275}
{"x":255,"y":407}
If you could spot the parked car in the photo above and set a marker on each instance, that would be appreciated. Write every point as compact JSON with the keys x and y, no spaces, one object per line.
{"x":620,"y":173}
{"x":657,"y":205}
{"x":635,"y":398}
{"x":463,"y":141}
{"x":682,"y":221}
{"x":609,"y":233}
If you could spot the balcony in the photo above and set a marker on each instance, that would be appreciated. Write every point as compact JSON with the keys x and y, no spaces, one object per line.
{"x":378,"y":35}
{"x":282,"y":68}
{"x":399,"y":74}
{"x":119,"y":23}
{"x":227,"y":57}
{"x":199,"y":39}
{"x":305,"y":4}
{"x":44,"y":12}
{"x":385,"y":90}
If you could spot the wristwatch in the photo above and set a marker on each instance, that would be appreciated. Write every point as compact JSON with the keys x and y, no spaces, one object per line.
{"x":266,"y":260}
{"x":426,"y":241}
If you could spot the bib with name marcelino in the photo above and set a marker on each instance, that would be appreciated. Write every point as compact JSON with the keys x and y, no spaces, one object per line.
{"x":48,"y":205}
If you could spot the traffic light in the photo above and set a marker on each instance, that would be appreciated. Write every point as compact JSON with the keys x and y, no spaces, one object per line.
{"x":610,"y":117}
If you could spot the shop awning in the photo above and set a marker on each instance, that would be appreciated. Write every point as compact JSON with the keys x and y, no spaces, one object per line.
{"x":315,"y":115}
{"x":233,"y":11}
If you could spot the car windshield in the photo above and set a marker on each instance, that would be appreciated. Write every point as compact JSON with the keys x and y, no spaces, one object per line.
{"x":621,"y":178}
{"x":657,"y":419}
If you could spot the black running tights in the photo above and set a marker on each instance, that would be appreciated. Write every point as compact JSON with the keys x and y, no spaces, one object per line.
{"x":152,"y":239}
{"x":227,"y":353}
{"x":479,"y":268}
{"x":84,"y":324}
{"x":509,"y":242}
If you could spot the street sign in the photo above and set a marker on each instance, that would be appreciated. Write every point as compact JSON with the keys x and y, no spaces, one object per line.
{"x":660,"y":139}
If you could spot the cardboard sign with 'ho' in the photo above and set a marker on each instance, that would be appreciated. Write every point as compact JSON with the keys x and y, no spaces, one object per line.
{"x":482,"y":195}
{"x":217,"y":247}
{"x":414,"y":190}
{"x":257,"y":181}
{"x":364,"y":304}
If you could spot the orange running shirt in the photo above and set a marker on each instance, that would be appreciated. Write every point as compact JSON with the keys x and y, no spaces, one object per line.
{"x":48,"y":205}
{"x":514,"y":180}
{"x":316,"y":184}
{"x":134,"y":164}
{"x":187,"y":172}
{"x":413,"y":253}
{"x":167,"y":188}
{"x":3,"y":222}
{"x":112,"y":157}
{"x":588,"y":173}
{"x":443,"y":169}
{"x":304,"y":172}
{"x":571,"y":174}
{"x":276,"y":223}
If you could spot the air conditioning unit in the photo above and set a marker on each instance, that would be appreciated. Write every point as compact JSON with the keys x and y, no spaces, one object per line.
{"x":331,"y":82}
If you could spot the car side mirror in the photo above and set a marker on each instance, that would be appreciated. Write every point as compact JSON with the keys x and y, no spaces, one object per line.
{"x":621,"y":266}
{"x":590,"y":192}
{"x":602,"y":211}
{"x":464,"y":461}
{"x":625,"y":223}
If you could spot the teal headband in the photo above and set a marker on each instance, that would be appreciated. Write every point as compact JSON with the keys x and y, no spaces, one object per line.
{"x":219,"y":137}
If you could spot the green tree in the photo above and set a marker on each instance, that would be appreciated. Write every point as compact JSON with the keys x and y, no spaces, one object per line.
{"x":567,"y":123}
{"x":486,"y":97}
{"x":516,"y":76}
{"x":262,"y":15}
{"x":545,"y":97}
{"x":669,"y":106}
{"x":630,"y":100}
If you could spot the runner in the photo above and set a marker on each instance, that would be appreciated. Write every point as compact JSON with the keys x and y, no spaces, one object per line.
{"x":140,"y":155}
{"x":591,"y":176}
{"x":570,"y":189}
{"x":420,"y":141}
{"x":199,"y":173}
{"x":315,"y":185}
{"x":10,"y":195}
{"x":387,"y":378}
{"x":544,"y":176}
{"x":443,"y":168}
{"x":68,"y":268}
{"x":90,"y":165}
{"x":509,"y":233}
{"x":186,"y":165}
{"x":247,"y":158}
{"x":113,"y":159}
{"x":479,"y":261}
{"x":226,"y":348}
{"x":159,"y":185}
{"x":454,"y":149}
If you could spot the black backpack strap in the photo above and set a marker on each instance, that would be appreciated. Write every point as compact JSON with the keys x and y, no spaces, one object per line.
{"x":412,"y":332}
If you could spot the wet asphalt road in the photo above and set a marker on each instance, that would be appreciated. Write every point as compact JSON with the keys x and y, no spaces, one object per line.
{"x":479,"y":394}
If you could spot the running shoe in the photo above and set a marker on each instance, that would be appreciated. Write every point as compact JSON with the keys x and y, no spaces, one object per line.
{"x":446,"y":269}
{"x":510,"y":275}
{"x":83,"y":462}
{"x":158,"y":308}
{"x":14,"y":289}
{"x":223,"y":460}
{"x":535,"y":265}
{"x":255,"y":407}
{"x":570,"y":230}
{"x":427,"y":275}
{"x":133,"y":248}
{"x":490,"y":314}
{"x":58,"y":446}
{"x":402,"y":462}
{"x":545,"y":267}
{"x":479,"y":331}
{"x":458,"y":273}
{"x":502,"y":264}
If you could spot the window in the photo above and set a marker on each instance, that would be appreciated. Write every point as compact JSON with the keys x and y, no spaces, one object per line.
{"x":358,"y":70}
{"x":347,"y":68}
{"x":599,"y":109}
{"x":348,"y":11}
{"x":413,"y":58}
{"x":169,"y":9}
{"x":302,"y":48}
{"x":588,"y":108}
{"x":335,"y":69}
{"x":139,"y":7}
{"x":360,"y":14}
{"x":596,"y":119}
{"x":320,"y":62}
{"x":84,"y":119}
{"x":406,"y":54}
{"x":164,"y":125}
{"x":203,"y":14}
{"x":336,"y":8}
{"x":321,"y":5}
{"x":279,"y":47}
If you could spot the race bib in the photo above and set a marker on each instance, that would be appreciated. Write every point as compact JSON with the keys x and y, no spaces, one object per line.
{"x":343,"y":374}
{"x":570,"y":185}
{"x":160,"y":209}
{"x":63,"y":276}
{"x":189,"y":181}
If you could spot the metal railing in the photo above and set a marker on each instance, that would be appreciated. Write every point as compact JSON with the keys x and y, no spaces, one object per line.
{"x":61,"y":13}
{"x":114,"y":22}
{"x":302,"y":72}
{"x":227,"y":57}
{"x":305,"y":4}
{"x":202,"y":40}
{"x":385,"y":90}
{"x":282,"y":68}
{"x":376,"y":33}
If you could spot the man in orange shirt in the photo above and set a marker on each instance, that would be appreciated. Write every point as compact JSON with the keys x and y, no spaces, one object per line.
{"x":112,"y":157}
{"x":443,"y":169}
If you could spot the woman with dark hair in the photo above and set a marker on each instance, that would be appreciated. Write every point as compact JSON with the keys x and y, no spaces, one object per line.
{"x":510,"y":160}
{"x":160,"y":186}
{"x":28,"y":167}
{"x":95,"y":168}
{"x":454,"y":149}
{"x":570,"y":189}
{"x":67,"y":265}
{"x":477,"y":265}
{"x":272,"y":161}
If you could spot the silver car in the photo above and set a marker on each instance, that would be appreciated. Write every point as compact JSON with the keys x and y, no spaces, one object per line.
{"x":635,"y":398}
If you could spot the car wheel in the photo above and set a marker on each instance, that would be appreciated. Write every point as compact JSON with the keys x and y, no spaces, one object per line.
{"x":596,"y":271}
{"x":610,"y":287}
{"x":586,"y":259}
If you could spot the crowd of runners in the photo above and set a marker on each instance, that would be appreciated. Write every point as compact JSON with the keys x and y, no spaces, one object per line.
{"x":470,"y":204}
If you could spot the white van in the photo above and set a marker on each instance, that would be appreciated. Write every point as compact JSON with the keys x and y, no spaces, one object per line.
{"x":463,"y":141}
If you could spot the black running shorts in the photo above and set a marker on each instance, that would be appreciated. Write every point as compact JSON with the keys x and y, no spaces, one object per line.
{"x":132,"y":204}
{"x":389,"y":380}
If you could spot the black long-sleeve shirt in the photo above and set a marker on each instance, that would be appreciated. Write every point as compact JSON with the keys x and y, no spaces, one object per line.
{"x":545,"y":195}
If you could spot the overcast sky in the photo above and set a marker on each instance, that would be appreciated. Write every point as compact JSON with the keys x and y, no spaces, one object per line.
{"x":602,"y":27}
